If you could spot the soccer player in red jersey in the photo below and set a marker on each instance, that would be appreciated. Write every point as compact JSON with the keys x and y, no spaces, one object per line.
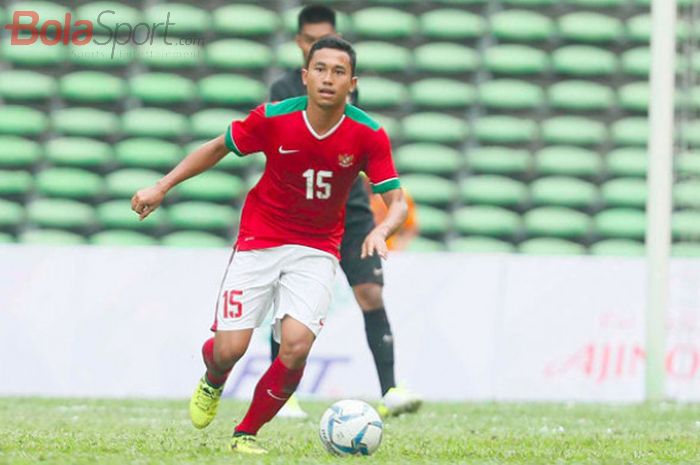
{"x":286,"y":254}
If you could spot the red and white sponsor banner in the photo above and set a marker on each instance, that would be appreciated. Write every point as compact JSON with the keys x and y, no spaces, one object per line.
{"x":117,"y":322}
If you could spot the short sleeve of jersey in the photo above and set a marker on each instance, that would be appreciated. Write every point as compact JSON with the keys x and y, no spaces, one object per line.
{"x":247,"y":136}
{"x":380,"y":166}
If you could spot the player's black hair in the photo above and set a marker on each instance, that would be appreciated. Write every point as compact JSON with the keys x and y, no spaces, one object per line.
{"x":314,"y":14}
{"x":337,"y":43}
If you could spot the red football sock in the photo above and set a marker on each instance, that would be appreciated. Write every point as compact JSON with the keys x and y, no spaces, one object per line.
{"x":213,"y":375}
{"x":271,"y":392}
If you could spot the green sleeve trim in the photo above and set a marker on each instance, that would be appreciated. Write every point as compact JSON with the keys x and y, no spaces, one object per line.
{"x":231,"y":144}
{"x":287,"y":106}
{"x":361,"y":117}
{"x":386,"y":186}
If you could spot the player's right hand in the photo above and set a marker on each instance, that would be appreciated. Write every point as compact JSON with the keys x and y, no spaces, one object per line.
{"x":145,"y":201}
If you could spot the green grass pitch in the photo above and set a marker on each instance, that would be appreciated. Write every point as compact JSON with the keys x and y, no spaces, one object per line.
{"x":96,"y":432}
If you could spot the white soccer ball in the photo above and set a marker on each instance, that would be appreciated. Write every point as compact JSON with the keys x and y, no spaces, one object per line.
{"x":351,"y":427}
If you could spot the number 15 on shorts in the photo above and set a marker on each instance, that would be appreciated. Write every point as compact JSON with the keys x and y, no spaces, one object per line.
{"x":232,"y":307}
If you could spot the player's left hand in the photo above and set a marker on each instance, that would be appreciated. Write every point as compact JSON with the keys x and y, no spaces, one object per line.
{"x":375,"y":242}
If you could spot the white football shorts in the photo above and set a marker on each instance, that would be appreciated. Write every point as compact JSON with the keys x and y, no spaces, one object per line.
{"x":290,"y":280}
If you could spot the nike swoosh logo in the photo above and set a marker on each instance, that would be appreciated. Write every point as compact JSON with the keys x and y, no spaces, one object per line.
{"x":269,"y":393}
{"x":282,"y":151}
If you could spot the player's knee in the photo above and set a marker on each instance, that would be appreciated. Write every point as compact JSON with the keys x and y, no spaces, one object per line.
{"x":227,"y":353}
{"x":369,"y":296}
{"x":293,"y":354}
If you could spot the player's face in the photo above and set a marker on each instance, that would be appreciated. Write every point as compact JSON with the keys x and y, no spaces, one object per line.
{"x":310,"y":33}
{"x":329,"y":78}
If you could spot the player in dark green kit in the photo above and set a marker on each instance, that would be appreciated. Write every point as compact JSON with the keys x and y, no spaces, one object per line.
{"x":364,"y":275}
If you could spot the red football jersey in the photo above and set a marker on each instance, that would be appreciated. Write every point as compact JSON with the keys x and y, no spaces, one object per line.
{"x":300,"y":198}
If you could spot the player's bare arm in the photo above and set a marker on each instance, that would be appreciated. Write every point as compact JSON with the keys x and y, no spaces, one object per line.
{"x":147,"y":200}
{"x":375,"y":242}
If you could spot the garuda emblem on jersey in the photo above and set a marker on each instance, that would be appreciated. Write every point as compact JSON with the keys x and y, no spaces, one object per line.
{"x":346,"y":160}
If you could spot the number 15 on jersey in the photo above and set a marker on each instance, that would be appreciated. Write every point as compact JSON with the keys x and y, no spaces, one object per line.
{"x":317,"y":186}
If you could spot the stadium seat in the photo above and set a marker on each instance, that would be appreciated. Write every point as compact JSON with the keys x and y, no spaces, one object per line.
{"x":587,"y":26}
{"x":625,"y":192}
{"x":477,"y":244}
{"x":188,"y":19}
{"x":573,"y":130}
{"x":627,"y":161}
{"x":102,"y":53}
{"x":504,"y":129}
{"x":687,"y":164}
{"x":88,"y":122}
{"x":636,"y":62}
{"x":439,"y":93}
{"x":378,"y":92}
{"x":618,"y":247}
{"x":563,"y":191}
{"x":528,"y":3}
{"x":37,"y":54}
{"x":162,"y":88}
{"x":623,"y":223}
{"x":498,"y":160}
{"x":69,"y":183}
{"x":231,"y":89}
{"x":581,"y":96}
{"x":143,"y":152}
{"x":4,"y":237}
{"x":423,"y":245}
{"x":11,"y":214}
{"x":632,"y":131}
{"x":381,"y":57}
{"x":288,"y":55}
{"x":583,"y":61}
{"x":686,"y":194}
{"x":686,"y":225}
{"x":120,"y":13}
{"x":15,"y":183}
{"x":92,"y":87}
{"x":244,"y":20}
{"x":122,"y":238}
{"x":213,"y":122}
{"x":154,"y":122}
{"x":212,"y":186}
{"x":194,"y":239}
{"x":17,"y":152}
{"x":202,"y":216}
{"x":515,"y":60}
{"x":440,"y":57}
{"x":427,"y":158}
{"x":383,"y":23}
{"x":521,"y":25}
{"x":452,"y":24}
{"x":24,"y":85}
{"x":176,"y":56}
{"x":634,"y":96}
{"x":690,"y":133}
{"x":493,"y":190}
{"x":22,"y":121}
{"x":433,"y":190}
{"x":550,"y":246}
{"x":50,"y":237}
{"x":510,"y":94}
{"x":556,"y":222}
{"x":125,"y":182}
{"x":568,"y":161}
{"x":238,"y":54}
{"x":685,"y":249}
{"x":117,"y":214}
{"x":433,"y":221}
{"x":486,"y":221}
{"x":78,"y":152}
{"x":434,"y":127}
{"x":45,"y":9}
{"x":60,"y":213}
{"x":596,"y":3}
